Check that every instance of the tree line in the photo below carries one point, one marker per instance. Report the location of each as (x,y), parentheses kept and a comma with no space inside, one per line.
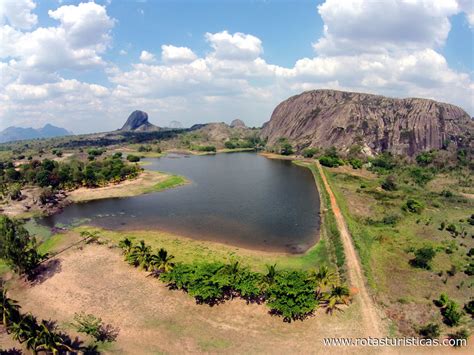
(291,294)
(50,173)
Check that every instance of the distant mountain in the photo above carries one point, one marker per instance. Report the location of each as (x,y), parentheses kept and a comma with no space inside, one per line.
(19,133)
(325,118)
(237,124)
(138,122)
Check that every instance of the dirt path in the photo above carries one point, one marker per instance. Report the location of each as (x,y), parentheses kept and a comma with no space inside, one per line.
(371,320)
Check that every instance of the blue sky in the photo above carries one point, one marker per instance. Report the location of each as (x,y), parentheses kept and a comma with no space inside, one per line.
(86,65)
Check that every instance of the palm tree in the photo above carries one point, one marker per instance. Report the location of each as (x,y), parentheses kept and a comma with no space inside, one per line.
(48,340)
(140,255)
(161,261)
(269,278)
(9,309)
(322,277)
(126,245)
(26,328)
(339,294)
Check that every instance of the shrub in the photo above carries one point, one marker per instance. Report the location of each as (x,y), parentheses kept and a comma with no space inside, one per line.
(420,175)
(425,158)
(471,220)
(330,162)
(383,162)
(292,295)
(451,228)
(460,336)
(205,148)
(413,206)
(423,258)
(286,149)
(452,314)
(442,301)
(390,183)
(469,308)
(145,148)
(133,158)
(117,155)
(469,269)
(230,145)
(446,193)
(429,331)
(88,324)
(310,152)
(355,163)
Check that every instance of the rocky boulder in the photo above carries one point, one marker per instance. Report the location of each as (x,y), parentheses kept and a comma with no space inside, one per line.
(138,121)
(238,124)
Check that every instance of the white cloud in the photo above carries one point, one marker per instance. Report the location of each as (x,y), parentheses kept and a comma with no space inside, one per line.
(237,46)
(467,6)
(147,57)
(379,49)
(174,55)
(18,13)
(358,26)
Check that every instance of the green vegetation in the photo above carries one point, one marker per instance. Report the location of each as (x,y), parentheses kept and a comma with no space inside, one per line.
(50,173)
(331,158)
(17,248)
(423,257)
(413,206)
(310,152)
(37,336)
(170,182)
(429,331)
(133,158)
(94,327)
(204,148)
(290,293)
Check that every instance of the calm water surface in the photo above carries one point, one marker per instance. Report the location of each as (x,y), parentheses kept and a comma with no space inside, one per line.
(240,199)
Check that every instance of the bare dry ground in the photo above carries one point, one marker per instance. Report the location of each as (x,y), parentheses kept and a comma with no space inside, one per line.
(127,188)
(153,319)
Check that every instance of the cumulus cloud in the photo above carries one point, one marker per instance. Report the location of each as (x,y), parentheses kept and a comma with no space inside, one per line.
(147,57)
(467,6)
(18,13)
(237,46)
(360,26)
(390,49)
(172,55)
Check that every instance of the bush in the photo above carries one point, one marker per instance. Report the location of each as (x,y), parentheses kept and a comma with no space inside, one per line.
(413,206)
(469,269)
(145,148)
(310,152)
(383,162)
(292,295)
(462,334)
(205,148)
(423,258)
(420,175)
(88,324)
(330,162)
(452,314)
(355,163)
(133,158)
(390,183)
(230,145)
(425,158)
(286,149)
(429,331)
(469,308)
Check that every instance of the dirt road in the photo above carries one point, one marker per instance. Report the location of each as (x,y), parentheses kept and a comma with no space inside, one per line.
(371,319)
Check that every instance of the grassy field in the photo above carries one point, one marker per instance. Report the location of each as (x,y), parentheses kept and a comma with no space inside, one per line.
(386,247)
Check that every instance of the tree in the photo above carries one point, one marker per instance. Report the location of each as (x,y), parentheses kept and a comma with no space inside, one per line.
(423,257)
(48,340)
(269,277)
(339,294)
(413,206)
(322,277)
(126,245)
(24,329)
(161,261)
(452,314)
(390,183)
(133,158)
(88,324)
(140,255)
(17,247)
(10,310)
(286,149)
(310,152)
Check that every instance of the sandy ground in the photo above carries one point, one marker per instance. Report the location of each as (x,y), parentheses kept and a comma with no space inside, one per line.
(154,319)
(372,323)
(127,188)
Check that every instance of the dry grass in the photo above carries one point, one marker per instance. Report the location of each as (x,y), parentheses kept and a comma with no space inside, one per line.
(153,319)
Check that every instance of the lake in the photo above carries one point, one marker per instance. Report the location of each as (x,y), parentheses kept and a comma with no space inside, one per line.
(241,199)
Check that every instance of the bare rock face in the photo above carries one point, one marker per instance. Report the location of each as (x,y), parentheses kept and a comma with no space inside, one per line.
(138,121)
(325,118)
(237,124)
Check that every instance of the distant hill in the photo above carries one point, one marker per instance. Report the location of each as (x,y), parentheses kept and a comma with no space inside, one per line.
(138,122)
(325,118)
(19,133)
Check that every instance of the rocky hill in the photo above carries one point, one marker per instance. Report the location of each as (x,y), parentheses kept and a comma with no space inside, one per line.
(325,118)
(238,123)
(138,122)
(19,133)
